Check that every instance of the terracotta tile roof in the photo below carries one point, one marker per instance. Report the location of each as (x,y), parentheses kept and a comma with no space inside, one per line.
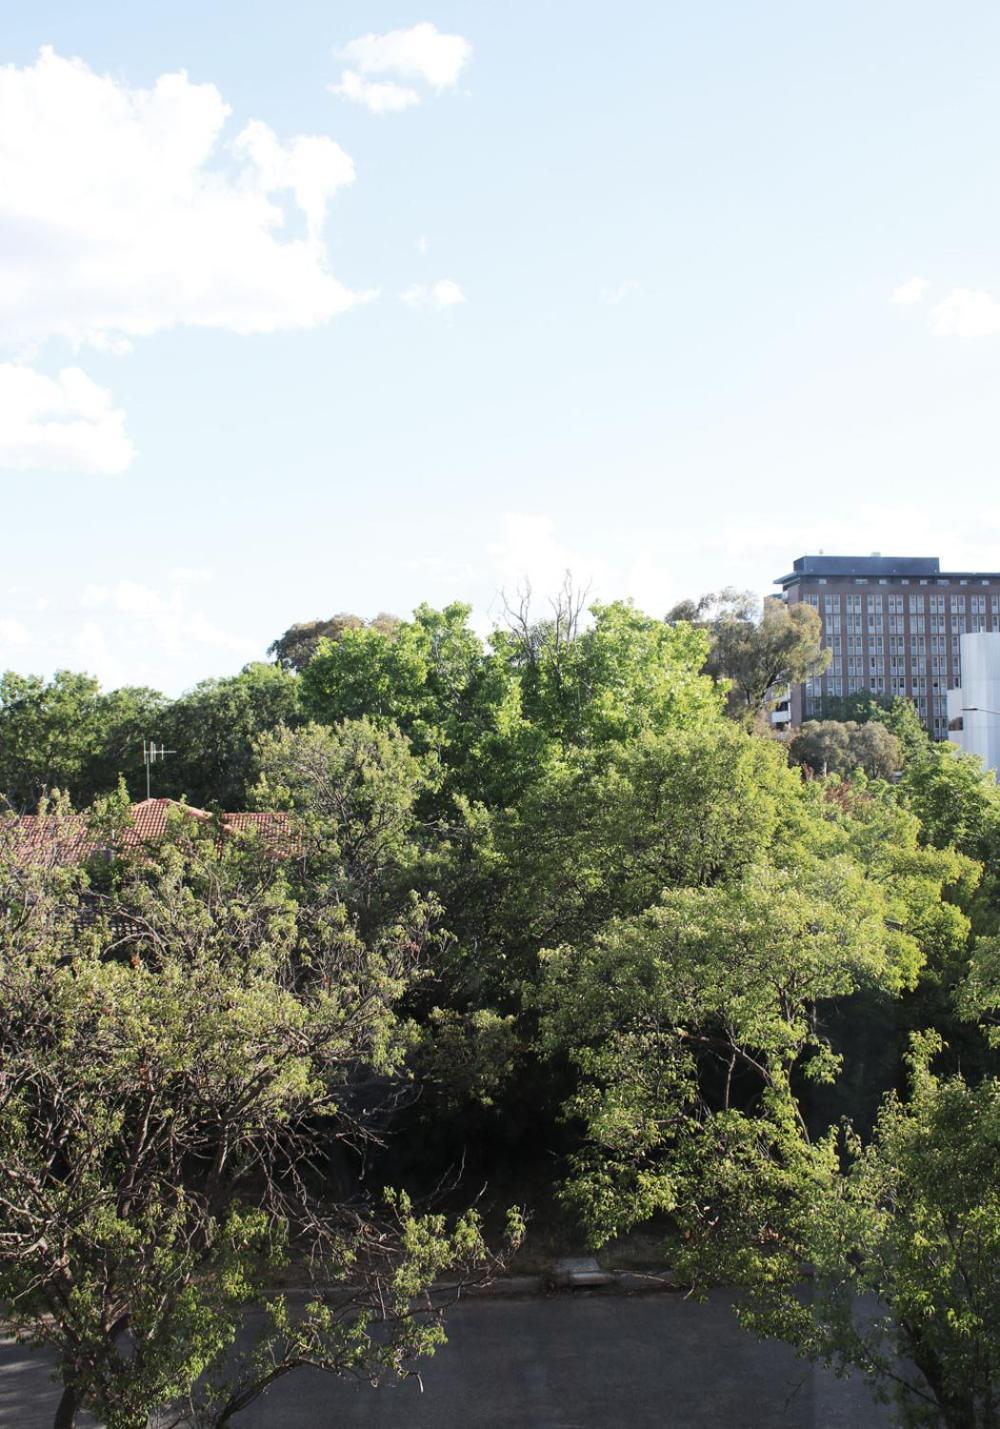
(274,828)
(149,818)
(66,839)
(49,839)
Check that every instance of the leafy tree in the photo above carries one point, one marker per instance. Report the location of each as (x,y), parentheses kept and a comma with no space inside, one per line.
(956,800)
(212,730)
(759,657)
(417,676)
(295,648)
(909,1222)
(823,746)
(694,1031)
(902,719)
(898,714)
(601,833)
(758,649)
(171,1065)
(705,1003)
(65,733)
(876,750)
(493,715)
(352,791)
(835,747)
(622,674)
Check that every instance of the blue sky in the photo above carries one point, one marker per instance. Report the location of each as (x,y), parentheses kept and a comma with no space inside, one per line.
(667,294)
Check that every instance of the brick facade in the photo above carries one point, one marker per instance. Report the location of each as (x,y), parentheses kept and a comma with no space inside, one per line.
(892,625)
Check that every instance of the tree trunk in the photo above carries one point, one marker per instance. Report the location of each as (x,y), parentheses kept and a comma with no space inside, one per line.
(66,1409)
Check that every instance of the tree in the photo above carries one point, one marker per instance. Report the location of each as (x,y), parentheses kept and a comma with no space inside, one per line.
(65,733)
(176,1053)
(703,1006)
(212,729)
(295,648)
(352,791)
(695,1029)
(759,658)
(955,798)
(823,746)
(909,1223)
(876,750)
(601,833)
(896,713)
(758,649)
(417,675)
(622,673)
(835,747)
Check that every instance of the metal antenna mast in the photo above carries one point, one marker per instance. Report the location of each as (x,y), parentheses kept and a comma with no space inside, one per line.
(150,754)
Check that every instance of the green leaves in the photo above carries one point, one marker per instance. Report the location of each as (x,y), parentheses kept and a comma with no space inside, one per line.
(166,1068)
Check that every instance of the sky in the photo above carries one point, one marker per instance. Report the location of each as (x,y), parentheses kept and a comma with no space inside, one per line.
(310,308)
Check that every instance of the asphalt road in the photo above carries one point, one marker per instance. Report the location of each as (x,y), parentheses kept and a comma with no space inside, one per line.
(573,1361)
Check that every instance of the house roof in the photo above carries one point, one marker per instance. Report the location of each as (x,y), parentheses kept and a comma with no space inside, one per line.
(70,838)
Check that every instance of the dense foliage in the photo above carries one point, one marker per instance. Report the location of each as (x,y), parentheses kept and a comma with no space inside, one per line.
(556,907)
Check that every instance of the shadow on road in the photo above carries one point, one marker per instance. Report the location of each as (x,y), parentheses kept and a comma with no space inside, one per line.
(578,1361)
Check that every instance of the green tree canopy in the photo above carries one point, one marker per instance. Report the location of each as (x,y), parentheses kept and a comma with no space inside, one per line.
(66,733)
(212,730)
(175,1053)
(295,648)
(835,747)
(758,648)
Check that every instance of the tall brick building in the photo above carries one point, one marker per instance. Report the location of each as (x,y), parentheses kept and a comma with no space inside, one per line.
(892,624)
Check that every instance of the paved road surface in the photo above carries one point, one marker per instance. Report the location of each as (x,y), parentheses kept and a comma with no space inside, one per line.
(577,1361)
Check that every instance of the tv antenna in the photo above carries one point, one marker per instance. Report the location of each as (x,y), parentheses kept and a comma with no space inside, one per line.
(151,752)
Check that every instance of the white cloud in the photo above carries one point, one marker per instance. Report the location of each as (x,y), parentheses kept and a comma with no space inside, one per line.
(167,633)
(64,423)
(138,633)
(310,166)
(623,290)
(126,211)
(419,54)
(445,293)
(912,291)
(967,312)
(379,96)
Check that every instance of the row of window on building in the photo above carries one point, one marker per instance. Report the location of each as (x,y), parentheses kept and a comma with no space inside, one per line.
(908,580)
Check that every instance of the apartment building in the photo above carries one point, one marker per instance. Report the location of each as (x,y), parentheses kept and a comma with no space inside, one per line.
(893,626)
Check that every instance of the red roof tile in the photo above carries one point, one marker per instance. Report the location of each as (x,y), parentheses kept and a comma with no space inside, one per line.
(68,838)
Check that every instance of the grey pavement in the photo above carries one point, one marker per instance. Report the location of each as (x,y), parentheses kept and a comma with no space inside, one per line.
(572,1361)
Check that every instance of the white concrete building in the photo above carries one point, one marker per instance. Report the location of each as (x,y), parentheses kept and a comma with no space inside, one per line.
(974,708)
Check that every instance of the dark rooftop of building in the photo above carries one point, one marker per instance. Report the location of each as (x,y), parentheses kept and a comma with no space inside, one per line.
(876,566)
